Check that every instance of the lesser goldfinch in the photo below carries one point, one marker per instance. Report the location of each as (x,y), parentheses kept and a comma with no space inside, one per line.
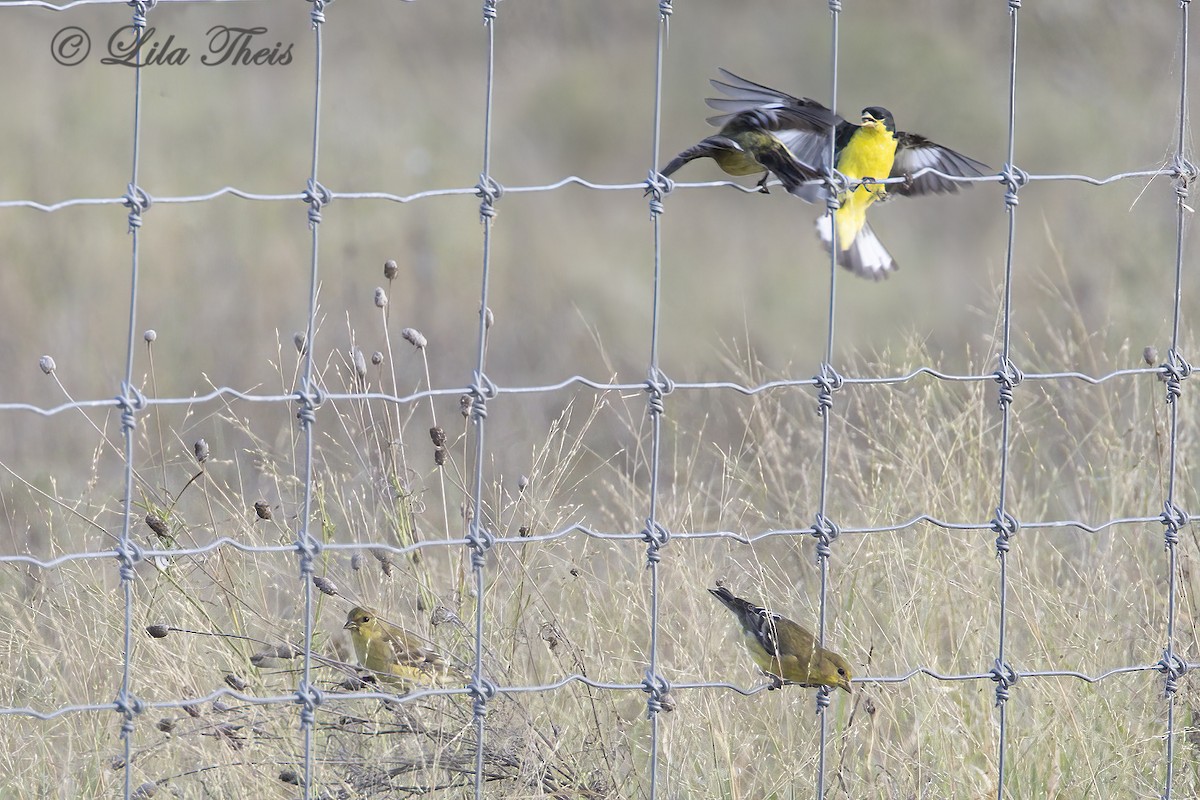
(874,150)
(783,649)
(393,654)
(747,145)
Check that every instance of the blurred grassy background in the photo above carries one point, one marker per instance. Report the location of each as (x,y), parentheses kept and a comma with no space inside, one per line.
(225,284)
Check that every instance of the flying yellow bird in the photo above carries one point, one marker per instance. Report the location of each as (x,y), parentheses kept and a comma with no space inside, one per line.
(393,654)
(783,649)
(874,150)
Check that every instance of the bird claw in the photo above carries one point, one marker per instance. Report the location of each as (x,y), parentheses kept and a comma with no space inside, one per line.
(762,185)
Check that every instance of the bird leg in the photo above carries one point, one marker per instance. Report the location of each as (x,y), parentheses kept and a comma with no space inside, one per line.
(775,681)
(762,185)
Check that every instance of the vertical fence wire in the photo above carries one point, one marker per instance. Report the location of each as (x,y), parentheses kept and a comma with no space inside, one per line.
(308,398)
(1176,369)
(479,538)
(131,402)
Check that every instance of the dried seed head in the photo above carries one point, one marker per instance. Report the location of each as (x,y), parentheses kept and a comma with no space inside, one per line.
(201,449)
(667,702)
(1150,355)
(290,777)
(149,336)
(268,657)
(262,509)
(360,364)
(414,337)
(441,615)
(380,297)
(522,483)
(390,270)
(356,562)
(523,531)
(219,707)
(575,572)
(377,358)
(47,364)
(325,586)
(301,341)
(439,456)
(550,635)
(166,725)
(384,557)
(158,630)
(116,762)
(464,405)
(158,525)
(192,711)
(438,435)
(421,606)
(147,789)
(236,683)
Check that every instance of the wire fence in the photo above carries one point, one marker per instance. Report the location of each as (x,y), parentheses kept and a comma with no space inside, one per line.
(309,396)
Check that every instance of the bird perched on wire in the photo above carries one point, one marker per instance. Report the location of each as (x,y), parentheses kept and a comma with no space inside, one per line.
(394,655)
(872,151)
(783,649)
(748,144)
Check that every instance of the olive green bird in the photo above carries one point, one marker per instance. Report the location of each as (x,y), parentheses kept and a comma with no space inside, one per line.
(783,649)
(874,150)
(394,655)
(747,145)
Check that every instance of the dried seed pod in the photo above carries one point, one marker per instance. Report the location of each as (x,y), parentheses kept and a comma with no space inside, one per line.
(146,790)
(384,557)
(356,561)
(360,364)
(390,270)
(166,725)
(47,365)
(301,341)
(439,456)
(219,707)
(414,337)
(192,711)
(290,777)
(158,525)
(441,615)
(158,630)
(523,531)
(1150,355)
(464,405)
(377,358)
(438,434)
(325,586)
(262,509)
(236,683)
(522,483)
(380,297)
(201,450)
(150,336)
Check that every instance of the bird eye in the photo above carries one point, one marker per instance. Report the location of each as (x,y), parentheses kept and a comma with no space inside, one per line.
(842,672)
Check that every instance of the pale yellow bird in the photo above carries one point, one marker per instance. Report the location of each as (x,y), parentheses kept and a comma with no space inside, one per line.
(783,649)
(394,655)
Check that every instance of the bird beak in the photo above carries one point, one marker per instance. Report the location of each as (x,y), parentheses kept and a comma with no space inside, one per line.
(349,625)
(846,685)
(868,122)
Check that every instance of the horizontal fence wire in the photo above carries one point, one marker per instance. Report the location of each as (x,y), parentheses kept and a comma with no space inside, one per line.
(479,542)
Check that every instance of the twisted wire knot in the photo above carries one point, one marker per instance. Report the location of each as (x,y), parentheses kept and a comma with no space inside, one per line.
(1173,519)
(482,690)
(317,15)
(489,191)
(308,548)
(1014,5)
(823,699)
(130,401)
(480,540)
(489,11)
(838,185)
(128,707)
(657,187)
(1005,677)
(665,10)
(481,390)
(1173,668)
(1008,376)
(138,201)
(824,530)
(827,382)
(656,536)
(308,697)
(130,554)
(1176,370)
(140,8)
(310,399)
(658,386)
(835,6)
(1184,173)
(1005,526)
(317,196)
(1013,176)
(656,688)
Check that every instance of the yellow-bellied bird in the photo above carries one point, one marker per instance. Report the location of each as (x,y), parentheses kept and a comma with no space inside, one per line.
(393,654)
(783,649)
(748,144)
(873,150)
